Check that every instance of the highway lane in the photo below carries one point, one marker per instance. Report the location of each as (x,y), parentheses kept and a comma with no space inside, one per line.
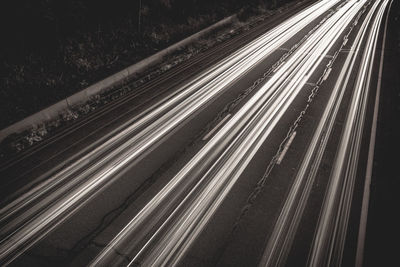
(286,226)
(22,214)
(381,223)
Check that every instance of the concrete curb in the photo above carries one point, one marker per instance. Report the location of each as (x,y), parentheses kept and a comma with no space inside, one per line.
(53,111)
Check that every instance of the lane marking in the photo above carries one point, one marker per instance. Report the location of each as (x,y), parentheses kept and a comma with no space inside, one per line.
(350,50)
(285,149)
(327,74)
(284,49)
(311,84)
(216,127)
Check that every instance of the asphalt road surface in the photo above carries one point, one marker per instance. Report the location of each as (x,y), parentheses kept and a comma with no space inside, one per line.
(256,158)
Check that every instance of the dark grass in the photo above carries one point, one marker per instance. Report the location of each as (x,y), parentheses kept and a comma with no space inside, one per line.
(51,48)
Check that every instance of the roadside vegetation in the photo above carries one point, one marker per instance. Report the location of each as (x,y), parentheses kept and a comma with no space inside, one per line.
(51,49)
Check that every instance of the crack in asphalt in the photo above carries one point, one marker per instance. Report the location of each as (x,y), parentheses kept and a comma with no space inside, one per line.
(112,215)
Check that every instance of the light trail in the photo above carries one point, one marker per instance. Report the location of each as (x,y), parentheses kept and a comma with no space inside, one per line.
(329,240)
(279,244)
(30,217)
(164,229)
